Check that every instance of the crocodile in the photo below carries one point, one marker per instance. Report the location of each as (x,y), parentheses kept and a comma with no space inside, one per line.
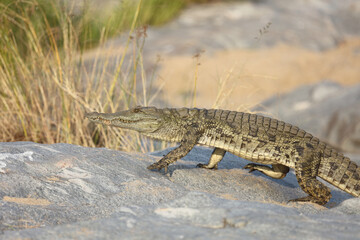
(272,146)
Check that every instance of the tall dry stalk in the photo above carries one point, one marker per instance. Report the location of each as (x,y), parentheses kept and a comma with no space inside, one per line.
(45,93)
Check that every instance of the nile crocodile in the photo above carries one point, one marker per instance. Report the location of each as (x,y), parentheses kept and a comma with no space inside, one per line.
(253,137)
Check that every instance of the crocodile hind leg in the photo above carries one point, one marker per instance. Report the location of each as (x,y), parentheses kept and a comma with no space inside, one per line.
(306,170)
(276,171)
(216,156)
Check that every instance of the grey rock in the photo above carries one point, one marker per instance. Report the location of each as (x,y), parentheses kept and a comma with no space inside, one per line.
(63,191)
(326,109)
(75,186)
(343,128)
(315,24)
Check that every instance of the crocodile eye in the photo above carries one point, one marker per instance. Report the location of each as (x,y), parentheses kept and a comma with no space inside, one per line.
(136,110)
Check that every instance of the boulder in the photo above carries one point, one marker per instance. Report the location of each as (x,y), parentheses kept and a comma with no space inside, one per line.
(325,109)
(63,191)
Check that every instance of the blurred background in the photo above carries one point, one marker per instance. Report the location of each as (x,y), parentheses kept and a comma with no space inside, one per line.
(298,61)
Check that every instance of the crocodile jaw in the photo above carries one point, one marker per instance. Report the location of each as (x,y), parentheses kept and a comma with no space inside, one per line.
(140,121)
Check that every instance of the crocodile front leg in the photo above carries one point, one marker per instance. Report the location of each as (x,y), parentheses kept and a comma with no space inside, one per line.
(216,156)
(189,141)
(277,171)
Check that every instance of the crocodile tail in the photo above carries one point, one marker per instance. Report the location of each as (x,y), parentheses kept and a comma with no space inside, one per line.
(341,172)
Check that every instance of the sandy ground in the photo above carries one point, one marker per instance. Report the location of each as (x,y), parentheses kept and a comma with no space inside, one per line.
(240,79)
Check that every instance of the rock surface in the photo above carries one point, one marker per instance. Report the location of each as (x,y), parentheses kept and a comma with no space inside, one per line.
(63,191)
(327,110)
(313,24)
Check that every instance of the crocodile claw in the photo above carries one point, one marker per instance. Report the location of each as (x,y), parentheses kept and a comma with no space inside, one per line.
(251,167)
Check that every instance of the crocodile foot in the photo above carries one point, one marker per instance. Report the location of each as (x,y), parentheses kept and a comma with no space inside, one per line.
(158,166)
(200,165)
(309,199)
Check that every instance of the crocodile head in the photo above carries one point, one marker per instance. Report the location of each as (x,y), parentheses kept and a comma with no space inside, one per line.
(141,119)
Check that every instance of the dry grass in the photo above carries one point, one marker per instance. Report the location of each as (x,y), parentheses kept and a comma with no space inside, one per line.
(45,93)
